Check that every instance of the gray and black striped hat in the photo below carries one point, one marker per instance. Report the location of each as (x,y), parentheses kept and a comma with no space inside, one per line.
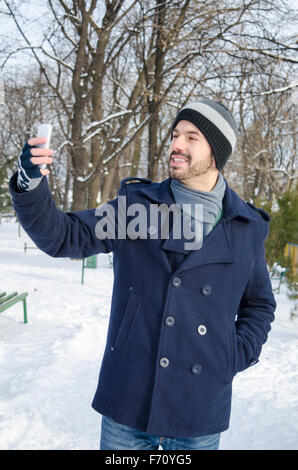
(217,124)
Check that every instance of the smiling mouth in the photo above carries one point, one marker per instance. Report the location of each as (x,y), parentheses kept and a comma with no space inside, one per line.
(178,160)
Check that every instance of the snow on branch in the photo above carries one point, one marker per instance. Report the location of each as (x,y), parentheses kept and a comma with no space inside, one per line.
(84,179)
(66,142)
(127,141)
(97,124)
(282,170)
(276,56)
(279,90)
(57,59)
(259,153)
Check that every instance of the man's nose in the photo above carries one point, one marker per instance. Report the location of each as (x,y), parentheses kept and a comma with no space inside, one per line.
(179,143)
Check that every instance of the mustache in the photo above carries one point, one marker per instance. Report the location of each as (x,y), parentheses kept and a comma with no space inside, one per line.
(186,155)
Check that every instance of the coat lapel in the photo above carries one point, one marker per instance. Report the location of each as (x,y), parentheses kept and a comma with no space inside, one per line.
(216,247)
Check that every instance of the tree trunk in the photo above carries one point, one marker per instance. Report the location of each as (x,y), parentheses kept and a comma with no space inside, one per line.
(156,98)
(107,185)
(136,156)
(67,182)
(153,148)
(79,196)
(93,190)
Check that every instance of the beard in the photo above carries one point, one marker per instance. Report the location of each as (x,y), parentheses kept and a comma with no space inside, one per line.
(190,169)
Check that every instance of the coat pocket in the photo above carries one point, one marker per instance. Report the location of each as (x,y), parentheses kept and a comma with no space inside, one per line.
(128,317)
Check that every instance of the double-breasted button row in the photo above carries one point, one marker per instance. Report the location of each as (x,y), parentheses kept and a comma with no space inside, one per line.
(196,369)
(176,282)
(205,290)
(170,321)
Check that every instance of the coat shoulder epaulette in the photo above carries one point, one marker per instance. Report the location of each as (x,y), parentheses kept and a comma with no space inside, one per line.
(134,179)
(263,213)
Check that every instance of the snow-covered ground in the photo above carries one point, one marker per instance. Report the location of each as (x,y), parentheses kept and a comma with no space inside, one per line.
(49,366)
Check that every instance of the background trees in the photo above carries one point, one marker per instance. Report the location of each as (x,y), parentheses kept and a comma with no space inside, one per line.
(111,75)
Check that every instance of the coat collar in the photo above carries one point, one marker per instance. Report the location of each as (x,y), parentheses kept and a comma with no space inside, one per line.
(233,205)
(217,246)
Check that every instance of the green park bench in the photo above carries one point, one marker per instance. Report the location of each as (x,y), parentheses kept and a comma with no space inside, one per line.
(278,274)
(90,263)
(7,301)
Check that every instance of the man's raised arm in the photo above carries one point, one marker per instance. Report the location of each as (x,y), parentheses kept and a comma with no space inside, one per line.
(59,234)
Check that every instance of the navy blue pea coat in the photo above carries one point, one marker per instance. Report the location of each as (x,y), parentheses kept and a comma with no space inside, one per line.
(182,323)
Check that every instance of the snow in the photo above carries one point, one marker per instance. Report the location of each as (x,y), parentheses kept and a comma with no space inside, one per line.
(49,366)
(99,123)
(280,90)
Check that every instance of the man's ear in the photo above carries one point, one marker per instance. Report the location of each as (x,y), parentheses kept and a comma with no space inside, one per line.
(213,161)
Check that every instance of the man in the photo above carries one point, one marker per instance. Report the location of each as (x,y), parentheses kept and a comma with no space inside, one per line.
(183,320)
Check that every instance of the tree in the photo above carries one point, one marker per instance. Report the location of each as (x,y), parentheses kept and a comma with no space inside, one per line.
(268,138)
(119,71)
(283,227)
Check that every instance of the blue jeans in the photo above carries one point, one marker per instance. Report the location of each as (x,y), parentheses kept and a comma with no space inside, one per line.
(115,436)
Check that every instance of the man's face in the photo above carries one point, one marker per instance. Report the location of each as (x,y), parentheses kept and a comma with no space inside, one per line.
(190,153)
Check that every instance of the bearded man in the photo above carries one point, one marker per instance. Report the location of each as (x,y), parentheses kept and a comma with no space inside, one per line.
(183,321)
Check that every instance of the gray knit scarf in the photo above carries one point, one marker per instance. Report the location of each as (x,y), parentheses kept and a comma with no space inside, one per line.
(211,200)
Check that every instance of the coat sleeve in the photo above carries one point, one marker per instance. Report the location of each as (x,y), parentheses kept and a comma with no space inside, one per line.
(255,313)
(59,234)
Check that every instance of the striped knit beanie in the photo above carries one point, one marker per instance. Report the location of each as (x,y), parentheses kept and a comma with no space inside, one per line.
(217,124)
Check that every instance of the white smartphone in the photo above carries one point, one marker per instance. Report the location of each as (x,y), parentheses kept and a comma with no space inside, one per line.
(44,130)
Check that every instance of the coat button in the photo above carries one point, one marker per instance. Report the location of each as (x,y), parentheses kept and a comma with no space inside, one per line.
(170,321)
(176,282)
(196,369)
(202,330)
(206,290)
(151,230)
(164,362)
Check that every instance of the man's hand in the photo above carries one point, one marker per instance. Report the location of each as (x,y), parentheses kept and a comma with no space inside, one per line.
(29,174)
